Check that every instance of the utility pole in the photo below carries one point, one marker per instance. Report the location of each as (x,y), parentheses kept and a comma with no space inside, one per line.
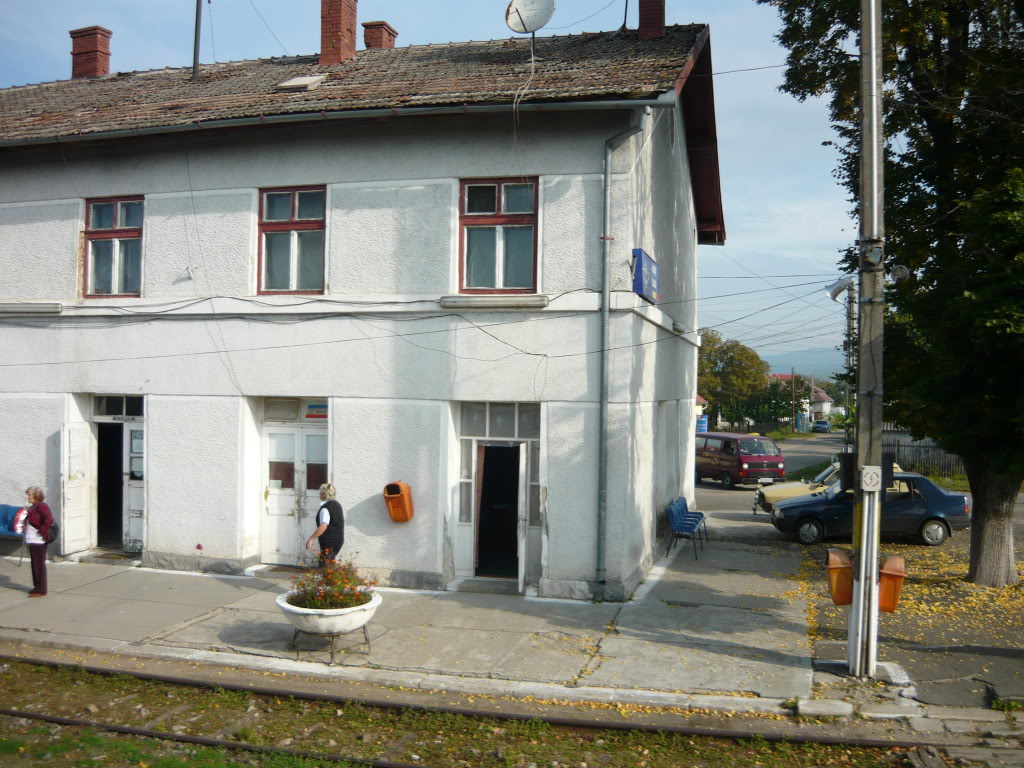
(863,635)
(792,383)
(851,296)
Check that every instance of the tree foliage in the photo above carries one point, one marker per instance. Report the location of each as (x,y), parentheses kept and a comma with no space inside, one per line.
(954,174)
(728,374)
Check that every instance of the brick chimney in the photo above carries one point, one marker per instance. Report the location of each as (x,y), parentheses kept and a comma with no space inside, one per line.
(379,34)
(90,52)
(652,19)
(337,31)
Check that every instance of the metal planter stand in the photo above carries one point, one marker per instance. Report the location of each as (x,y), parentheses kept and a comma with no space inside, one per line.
(334,639)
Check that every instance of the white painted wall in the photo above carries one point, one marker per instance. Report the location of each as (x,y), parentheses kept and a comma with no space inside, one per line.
(193,488)
(30,425)
(39,247)
(375,442)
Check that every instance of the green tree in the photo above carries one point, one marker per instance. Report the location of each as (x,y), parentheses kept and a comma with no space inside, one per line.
(954,169)
(771,404)
(728,373)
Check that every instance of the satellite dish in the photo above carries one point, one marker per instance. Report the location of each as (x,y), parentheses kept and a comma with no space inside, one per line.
(526,16)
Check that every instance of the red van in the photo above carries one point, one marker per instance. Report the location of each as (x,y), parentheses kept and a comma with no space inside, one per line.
(733,458)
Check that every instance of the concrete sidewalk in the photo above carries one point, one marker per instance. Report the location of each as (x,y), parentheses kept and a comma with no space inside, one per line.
(727,632)
(712,632)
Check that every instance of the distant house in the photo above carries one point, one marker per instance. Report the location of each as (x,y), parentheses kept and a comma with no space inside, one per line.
(461,266)
(817,406)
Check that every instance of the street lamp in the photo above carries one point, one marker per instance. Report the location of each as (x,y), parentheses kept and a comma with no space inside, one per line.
(834,291)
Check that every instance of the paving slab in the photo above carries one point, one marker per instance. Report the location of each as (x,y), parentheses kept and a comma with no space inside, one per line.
(633,663)
(59,576)
(103,617)
(714,625)
(966,713)
(176,588)
(824,708)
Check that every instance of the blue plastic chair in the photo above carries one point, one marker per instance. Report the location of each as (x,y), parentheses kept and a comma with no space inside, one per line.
(686,525)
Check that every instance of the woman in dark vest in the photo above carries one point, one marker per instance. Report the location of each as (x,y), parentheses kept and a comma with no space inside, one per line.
(37,531)
(330,525)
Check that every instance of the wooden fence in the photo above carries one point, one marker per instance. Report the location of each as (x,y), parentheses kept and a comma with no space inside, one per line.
(926,459)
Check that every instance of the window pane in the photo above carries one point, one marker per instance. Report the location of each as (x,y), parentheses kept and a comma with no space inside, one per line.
(311,205)
(465,502)
(280,409)
(277,206)
(518,257)
(311,261)
(133,406)
(131,214)
(529,420)
(466,469)
(502,420)
(135,468)
(282,447)
(277,261)
(282,474)
(480,257)
(102,278)
(109,405)
(534,505)
(131,265)
(101,216)
(316,475)
(482,198)
(136,441)
(316,448)
(518,198)
(534,462)
(474,420)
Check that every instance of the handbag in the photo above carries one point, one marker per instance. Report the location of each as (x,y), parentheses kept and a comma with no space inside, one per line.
(53,533)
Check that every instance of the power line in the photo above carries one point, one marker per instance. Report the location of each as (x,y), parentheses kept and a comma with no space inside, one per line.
(268,27)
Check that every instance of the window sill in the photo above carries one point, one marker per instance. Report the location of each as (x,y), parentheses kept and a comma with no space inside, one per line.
(505,300)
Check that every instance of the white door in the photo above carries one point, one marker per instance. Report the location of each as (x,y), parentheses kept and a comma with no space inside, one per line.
(294,466)
(523,511)
(134,496)
(78,488)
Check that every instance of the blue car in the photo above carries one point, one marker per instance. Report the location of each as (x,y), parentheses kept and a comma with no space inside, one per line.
(913,506)
(821,425)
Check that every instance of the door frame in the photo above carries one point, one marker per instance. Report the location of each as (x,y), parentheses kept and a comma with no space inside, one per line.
(522,500)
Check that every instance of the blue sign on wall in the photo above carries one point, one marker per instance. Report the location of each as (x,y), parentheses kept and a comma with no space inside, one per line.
(702,423)
(645,276)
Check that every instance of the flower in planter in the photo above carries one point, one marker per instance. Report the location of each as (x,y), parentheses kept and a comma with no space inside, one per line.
(334,585)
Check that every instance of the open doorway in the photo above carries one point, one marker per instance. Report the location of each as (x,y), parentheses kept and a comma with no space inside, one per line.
(110,486)
(497,527)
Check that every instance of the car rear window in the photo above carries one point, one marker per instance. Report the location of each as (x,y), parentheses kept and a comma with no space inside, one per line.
(758,446)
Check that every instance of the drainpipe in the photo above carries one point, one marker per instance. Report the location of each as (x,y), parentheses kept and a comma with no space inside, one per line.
(602,478)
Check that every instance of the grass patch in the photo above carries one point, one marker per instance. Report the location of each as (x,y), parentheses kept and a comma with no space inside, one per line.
(808,473)
(1008,705)
(958,483)
(436,739)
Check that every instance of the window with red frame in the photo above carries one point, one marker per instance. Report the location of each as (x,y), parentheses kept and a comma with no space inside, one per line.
(498,231)
(113,241)
(292,240)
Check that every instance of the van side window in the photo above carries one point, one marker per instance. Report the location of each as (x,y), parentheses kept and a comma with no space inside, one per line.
(699,446)
(729,448)
(714,444)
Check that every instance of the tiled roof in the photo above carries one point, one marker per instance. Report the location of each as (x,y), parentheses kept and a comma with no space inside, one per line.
(613,65)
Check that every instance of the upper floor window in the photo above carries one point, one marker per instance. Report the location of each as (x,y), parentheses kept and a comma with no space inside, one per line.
(498,236)
(113,241)
(292,240)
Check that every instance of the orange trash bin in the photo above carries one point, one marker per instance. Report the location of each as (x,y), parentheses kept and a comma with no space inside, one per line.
(890,583)
(398,497)
(839,566)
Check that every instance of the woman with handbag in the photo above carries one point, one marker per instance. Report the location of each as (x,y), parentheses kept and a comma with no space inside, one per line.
(37,537)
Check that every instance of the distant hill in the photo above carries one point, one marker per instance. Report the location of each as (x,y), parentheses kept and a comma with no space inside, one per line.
(811,362)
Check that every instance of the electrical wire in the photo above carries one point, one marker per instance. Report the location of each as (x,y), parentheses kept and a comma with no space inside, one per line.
(268,27)
(213,42)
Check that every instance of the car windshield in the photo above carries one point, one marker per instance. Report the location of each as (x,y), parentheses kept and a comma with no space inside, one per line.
(758,446)
(824,475)
(833,490)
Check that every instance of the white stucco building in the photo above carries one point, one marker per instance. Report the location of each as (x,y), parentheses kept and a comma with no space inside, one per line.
(219,294)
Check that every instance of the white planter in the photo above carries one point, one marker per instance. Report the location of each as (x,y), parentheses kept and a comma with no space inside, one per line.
(328,621)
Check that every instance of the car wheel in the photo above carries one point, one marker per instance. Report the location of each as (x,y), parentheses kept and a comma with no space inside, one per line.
(810,531)
(934,532)
(727,480)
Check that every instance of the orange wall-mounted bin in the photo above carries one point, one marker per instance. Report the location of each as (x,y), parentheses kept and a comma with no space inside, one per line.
(890,583)
(398,497)
(839,566)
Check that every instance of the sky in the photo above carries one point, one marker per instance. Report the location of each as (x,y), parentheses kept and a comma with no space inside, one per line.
(786,218)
